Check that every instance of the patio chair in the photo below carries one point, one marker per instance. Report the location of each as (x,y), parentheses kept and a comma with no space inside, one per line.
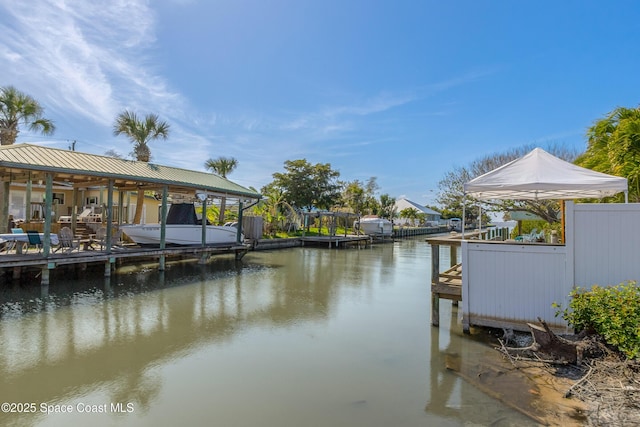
(116,238)
(68,243)
(531,237)
(100,237)
(34,240)
(9,244)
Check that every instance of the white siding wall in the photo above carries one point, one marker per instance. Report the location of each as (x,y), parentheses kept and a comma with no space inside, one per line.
(510,285)
(606,243)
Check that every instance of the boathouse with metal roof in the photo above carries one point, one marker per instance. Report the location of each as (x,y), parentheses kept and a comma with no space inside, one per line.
(28,163)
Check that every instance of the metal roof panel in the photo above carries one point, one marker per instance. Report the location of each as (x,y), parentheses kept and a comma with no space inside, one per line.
(38,158)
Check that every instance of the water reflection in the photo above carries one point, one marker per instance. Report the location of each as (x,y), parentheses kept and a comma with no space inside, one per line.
(337,337)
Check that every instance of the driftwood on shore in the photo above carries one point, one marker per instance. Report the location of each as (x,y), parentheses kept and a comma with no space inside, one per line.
(604,379)
(549,347)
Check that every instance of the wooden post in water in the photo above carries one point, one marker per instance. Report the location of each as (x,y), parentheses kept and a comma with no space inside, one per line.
(435,277)
(44,278)
(453,255)
(453,260)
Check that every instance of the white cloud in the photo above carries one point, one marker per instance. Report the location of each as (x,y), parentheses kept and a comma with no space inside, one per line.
(87,60)
(82,58)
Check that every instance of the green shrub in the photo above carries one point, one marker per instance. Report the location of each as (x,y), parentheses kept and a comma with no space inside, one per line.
(613,312)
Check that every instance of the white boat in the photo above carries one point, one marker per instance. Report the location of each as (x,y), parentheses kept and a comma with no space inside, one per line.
(374,226)
(182,228)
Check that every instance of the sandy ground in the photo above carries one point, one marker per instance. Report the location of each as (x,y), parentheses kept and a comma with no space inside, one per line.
(531,390)
(601,391)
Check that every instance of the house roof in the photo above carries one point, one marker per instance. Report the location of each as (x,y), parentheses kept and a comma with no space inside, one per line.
(405,204)
(20,162)
(539,175)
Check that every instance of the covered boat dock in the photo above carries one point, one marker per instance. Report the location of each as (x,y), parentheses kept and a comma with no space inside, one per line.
(26,163)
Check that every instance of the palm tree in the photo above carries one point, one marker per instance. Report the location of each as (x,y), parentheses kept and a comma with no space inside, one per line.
(222,166)
(273,207)
(614,147)
(17,108)
(409,213)
(140,133)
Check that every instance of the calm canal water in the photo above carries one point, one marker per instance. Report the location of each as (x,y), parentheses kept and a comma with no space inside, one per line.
(295,337)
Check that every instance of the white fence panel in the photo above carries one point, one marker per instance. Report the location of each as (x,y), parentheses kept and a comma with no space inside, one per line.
(606,243)
(508,285)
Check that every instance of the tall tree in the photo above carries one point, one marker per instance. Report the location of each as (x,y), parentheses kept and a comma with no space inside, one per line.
(354,196)
(19,109)
(613,147)
(307,186)
(140,133)
(387,206)
(222,166)
(409,213)
(360,197)
(274,208)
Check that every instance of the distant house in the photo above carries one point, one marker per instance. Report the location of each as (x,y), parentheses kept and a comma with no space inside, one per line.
(430,216)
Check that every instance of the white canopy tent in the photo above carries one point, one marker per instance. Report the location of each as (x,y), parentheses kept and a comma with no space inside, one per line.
(539,175)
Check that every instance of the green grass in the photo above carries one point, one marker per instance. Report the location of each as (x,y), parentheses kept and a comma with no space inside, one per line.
(313,231)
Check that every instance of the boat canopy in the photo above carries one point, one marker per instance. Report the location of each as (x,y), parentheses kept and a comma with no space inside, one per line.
(182,213)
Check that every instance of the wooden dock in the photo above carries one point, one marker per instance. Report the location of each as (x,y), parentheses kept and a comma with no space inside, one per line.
(336,241)
(446,284)
(34,260)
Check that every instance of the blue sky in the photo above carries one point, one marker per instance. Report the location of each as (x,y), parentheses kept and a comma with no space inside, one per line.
(400,90)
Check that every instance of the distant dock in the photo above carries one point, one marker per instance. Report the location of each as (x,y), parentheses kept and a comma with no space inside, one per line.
(336,241)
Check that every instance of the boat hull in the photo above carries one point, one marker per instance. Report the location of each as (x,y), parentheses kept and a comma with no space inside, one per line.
(376,227)
(180,234)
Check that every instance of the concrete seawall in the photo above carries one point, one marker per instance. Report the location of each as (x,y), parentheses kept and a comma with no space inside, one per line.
(266,244)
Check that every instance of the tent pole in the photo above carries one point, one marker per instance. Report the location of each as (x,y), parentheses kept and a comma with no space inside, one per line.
(562,221)
(464,200)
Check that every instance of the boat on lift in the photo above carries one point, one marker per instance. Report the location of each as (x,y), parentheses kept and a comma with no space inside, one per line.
(372,225)
(182,228)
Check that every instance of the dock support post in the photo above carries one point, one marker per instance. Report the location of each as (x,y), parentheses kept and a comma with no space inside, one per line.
(16,273)
(107,268)
(453,260)
(161,263)
(44,278)
(453,255)
(435,277)
(203,258)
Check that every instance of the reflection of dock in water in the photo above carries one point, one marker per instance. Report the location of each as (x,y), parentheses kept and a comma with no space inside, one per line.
(336,241)
(540,402)
(88,343)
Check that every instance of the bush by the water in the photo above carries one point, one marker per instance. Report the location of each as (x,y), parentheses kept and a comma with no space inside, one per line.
(612,312)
